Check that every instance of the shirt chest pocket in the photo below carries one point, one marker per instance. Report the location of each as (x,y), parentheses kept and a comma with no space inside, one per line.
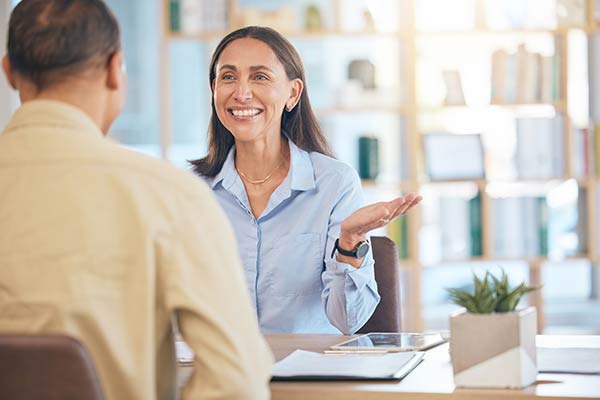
(293,265)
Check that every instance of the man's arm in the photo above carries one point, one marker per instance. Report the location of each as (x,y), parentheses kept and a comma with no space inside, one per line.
(204,285)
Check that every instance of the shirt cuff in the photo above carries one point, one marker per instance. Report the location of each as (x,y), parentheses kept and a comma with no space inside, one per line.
(360,276)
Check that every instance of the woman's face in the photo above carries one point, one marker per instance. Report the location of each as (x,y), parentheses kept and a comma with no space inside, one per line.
(251,90)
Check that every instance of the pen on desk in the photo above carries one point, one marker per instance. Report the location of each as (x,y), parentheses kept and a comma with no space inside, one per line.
(355,351)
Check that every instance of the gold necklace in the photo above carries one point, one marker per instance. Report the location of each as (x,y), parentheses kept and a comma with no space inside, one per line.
(259,181)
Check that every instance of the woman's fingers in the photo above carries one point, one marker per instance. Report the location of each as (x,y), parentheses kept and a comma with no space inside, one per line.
(380,214)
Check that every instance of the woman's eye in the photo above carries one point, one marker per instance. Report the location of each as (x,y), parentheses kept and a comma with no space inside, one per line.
(227,77)
(261,77)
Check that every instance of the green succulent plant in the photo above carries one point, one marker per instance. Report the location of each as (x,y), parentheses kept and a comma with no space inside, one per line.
(490,295)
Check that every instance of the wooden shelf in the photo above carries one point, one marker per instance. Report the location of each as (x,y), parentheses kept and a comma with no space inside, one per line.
(214,36)
(324,111)
(505,32)
(412,41)
(535,261)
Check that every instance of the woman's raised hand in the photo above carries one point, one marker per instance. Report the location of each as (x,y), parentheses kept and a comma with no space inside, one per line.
(355,228)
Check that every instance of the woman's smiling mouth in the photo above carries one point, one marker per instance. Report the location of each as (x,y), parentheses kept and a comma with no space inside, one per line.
(245,112)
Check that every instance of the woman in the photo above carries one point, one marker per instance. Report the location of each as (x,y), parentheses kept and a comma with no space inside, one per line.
(294,208)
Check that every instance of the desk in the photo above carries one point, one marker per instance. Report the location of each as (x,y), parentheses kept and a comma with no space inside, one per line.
(432,379)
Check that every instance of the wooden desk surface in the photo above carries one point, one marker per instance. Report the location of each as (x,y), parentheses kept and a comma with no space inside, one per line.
(432,379)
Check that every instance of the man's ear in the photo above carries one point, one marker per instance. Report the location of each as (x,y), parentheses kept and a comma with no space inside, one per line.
(115,77)
(8,72)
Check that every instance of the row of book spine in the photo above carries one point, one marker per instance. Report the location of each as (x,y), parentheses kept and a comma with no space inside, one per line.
(198,16)
(522,227)
(525,77)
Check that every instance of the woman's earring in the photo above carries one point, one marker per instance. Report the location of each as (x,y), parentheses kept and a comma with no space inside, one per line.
(289,108)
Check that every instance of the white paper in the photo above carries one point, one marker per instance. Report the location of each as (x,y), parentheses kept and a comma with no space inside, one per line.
(358,366)
(185,355)
(568,360)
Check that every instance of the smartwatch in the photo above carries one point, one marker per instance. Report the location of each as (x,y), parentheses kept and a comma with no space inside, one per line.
(360,250)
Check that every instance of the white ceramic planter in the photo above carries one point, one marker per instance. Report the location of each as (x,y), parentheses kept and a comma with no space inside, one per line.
(494,350)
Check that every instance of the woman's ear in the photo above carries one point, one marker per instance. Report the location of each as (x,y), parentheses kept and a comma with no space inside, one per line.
(295,93)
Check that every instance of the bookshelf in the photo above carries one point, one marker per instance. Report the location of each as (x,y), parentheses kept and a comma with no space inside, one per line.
(406,116)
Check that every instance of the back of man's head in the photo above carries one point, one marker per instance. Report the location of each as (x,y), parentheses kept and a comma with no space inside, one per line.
(52,40)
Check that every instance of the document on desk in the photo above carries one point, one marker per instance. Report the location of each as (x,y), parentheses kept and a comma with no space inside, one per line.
(570,360)
(308,366)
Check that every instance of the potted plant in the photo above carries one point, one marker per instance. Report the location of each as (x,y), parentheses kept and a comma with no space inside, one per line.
(492,344)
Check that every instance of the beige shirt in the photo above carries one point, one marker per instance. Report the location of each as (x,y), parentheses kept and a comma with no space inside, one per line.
(106,245)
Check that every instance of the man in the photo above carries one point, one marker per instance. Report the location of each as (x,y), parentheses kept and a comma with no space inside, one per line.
(105,244)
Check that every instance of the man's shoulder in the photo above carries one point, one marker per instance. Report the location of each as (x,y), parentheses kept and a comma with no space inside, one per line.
(154,171)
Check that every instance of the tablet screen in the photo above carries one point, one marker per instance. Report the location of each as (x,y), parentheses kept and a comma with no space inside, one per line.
(391,342)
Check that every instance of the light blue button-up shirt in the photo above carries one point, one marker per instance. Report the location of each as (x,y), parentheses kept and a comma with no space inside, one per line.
(294,283)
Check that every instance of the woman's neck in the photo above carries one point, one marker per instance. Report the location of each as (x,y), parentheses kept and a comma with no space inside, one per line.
(257,160)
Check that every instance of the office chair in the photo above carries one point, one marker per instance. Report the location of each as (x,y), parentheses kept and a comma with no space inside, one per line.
(387,316)
(46,367)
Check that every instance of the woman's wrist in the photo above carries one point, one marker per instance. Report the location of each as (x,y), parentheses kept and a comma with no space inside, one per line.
(349,242)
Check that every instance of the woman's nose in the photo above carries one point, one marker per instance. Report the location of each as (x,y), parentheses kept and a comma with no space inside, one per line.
(242,91)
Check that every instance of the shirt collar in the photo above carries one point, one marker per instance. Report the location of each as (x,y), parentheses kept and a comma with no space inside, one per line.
(52,113)
(227,174)
(302,172)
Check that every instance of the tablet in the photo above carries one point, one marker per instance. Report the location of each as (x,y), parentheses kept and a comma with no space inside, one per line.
(391,342)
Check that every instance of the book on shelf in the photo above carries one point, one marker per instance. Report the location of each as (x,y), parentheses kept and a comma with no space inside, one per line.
(540,147)
(397,230)
(520,226)
(460,226)
(582,227)
(524,77)
(198,16)
(580,152)
(455,234)
(475,224)
(368,157)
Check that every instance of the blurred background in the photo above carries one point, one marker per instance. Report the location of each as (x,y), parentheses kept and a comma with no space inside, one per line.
(488,108)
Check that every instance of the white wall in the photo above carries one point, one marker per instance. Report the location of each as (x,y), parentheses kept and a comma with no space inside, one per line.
(8,97)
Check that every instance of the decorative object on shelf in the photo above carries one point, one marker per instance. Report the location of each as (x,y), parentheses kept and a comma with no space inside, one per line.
(368,157)
(174,16)
(454,90)
(451,156)
(312,19)
(491,343)
(283,19)
(363,71)
(570,13)
(368,20)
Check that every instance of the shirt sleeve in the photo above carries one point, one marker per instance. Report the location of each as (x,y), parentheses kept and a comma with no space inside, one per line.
(350,294)
(204,288)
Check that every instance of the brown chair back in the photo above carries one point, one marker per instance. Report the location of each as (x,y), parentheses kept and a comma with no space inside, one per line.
(46,367)
(387,316)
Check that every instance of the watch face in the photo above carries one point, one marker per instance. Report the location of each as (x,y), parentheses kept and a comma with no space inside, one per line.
(362,250)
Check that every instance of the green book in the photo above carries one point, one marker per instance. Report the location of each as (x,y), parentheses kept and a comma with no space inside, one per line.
(175,15)
(542,208)
(398,232)
(368,157)
(475,225)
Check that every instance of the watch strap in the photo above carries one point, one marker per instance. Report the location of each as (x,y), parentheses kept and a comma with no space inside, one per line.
(344,252)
